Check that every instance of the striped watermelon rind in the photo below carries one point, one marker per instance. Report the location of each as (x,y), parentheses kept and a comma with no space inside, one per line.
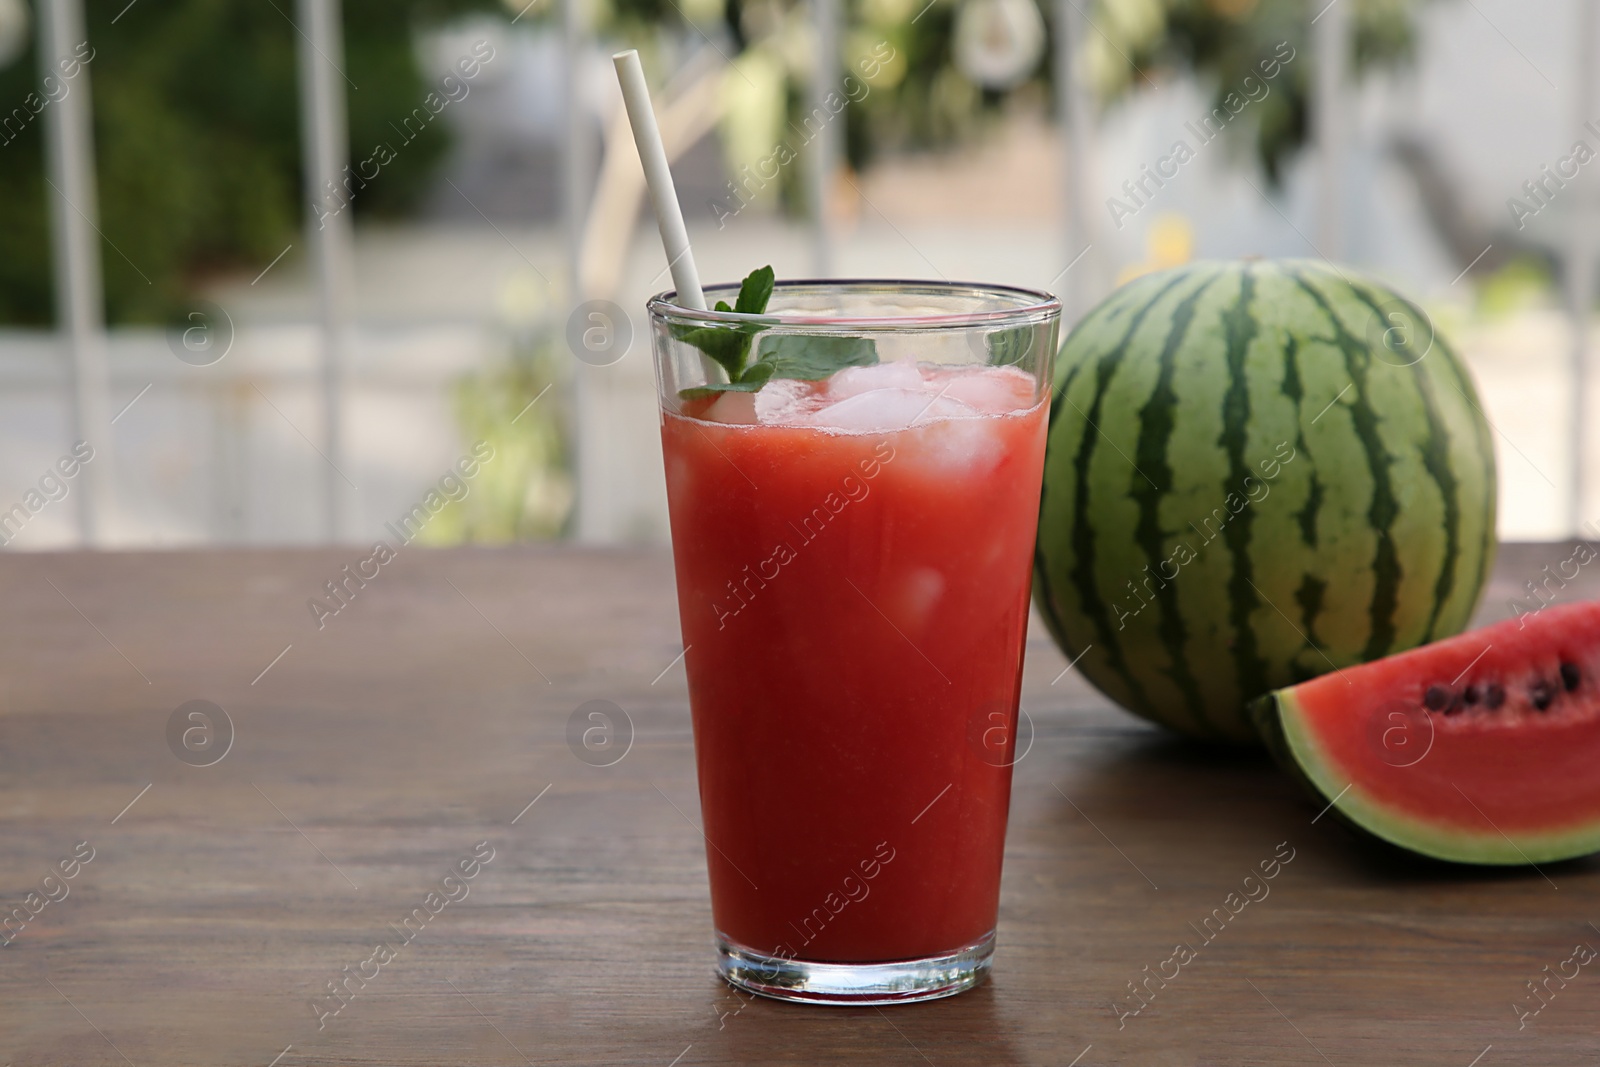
(1174,399)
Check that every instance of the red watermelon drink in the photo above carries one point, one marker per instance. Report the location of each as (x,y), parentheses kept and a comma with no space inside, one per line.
(853,555)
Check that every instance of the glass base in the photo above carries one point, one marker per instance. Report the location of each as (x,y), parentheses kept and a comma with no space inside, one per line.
(855,984)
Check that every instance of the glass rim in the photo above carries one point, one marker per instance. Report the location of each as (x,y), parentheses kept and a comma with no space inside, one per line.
(1031,304)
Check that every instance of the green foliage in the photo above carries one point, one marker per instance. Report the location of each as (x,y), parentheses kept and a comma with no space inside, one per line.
(923,100)
(525,491)
(197,141)
(1225,41)
(1520,284)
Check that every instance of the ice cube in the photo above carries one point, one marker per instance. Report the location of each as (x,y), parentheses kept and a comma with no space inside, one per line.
(992,390)
(901,374)
(734,408)
(878,410)
(783,400)
(965,446)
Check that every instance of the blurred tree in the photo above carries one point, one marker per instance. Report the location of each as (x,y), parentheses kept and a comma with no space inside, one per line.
(1131,44)
(927,97)
(525,492)
(1224,41)
(196,123)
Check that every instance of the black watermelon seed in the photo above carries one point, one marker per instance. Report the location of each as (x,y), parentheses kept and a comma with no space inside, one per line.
(1436,697)
(1570,676)
(1472,695)
(1456,705)
(1493,697)
(1542,692)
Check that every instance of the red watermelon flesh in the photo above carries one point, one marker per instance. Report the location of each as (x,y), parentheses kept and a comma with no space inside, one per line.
(1483,748)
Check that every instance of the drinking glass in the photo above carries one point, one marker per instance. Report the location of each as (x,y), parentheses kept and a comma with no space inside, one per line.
(853,557)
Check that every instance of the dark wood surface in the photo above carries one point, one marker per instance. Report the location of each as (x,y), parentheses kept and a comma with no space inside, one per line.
(378,751)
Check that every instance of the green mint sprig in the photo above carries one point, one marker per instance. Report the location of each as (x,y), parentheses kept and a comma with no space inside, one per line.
(728,345)
(809,357)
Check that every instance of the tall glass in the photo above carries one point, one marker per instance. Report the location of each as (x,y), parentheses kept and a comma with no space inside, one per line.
(853,559)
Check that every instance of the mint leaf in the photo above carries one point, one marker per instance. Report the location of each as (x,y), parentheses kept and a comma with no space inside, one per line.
(754,292)
(699,392)
(813,357)
(754,377)
(728,344)
(724,345)
(808,357)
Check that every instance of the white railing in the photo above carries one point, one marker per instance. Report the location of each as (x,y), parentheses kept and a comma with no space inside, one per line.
(76,244)
(228,453)
(74,205)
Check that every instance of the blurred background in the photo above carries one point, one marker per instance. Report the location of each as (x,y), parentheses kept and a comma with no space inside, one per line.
(282,263)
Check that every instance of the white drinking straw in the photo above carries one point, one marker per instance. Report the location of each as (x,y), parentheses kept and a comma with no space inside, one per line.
(658,177)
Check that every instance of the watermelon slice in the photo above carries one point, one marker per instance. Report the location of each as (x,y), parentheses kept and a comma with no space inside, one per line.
(1483,748)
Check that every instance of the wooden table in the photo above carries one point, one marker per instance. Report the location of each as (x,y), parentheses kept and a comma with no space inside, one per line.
(371,756)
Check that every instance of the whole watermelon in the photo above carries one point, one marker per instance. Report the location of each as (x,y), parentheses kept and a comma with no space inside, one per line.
(1257,472)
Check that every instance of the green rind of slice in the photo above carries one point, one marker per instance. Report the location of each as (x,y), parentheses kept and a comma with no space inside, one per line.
(1284,726)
